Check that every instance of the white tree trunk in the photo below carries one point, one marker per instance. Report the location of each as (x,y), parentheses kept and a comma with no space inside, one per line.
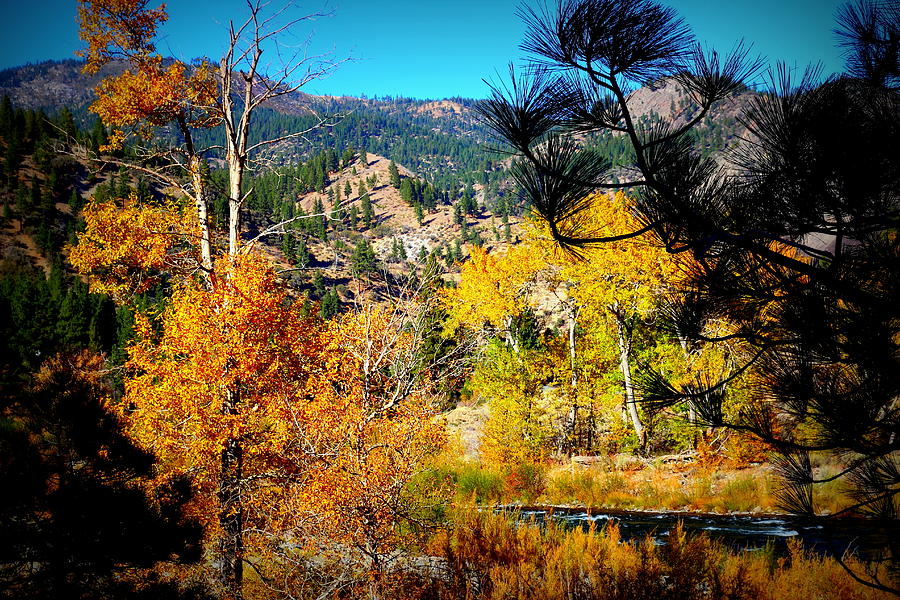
(202,213)
(572,421)
(624,339)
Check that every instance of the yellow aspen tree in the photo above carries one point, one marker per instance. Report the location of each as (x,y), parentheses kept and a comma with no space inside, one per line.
(619,282)
(492,290)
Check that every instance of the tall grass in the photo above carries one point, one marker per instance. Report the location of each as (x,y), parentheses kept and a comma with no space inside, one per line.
(660,488)
(486,556)
(631,485)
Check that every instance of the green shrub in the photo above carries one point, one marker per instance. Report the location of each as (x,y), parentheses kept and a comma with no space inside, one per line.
(482,484)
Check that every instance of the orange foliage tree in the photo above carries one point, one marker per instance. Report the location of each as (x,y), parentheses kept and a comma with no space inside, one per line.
(149,94)
(213,392)
(297,438)
(126,246)
(212,396)
(375,428)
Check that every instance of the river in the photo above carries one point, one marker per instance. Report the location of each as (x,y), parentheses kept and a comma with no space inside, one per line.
(830,536)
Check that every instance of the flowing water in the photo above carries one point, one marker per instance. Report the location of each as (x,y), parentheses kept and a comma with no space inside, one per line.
(740,531)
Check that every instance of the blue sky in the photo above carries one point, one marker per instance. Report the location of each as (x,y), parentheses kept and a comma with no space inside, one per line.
(423,49)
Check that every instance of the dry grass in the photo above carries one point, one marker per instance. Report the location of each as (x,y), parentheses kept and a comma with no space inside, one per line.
(662,488)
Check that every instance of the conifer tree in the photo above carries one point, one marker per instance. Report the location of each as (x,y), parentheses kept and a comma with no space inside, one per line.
(368,212)
(362,262)
(394,174)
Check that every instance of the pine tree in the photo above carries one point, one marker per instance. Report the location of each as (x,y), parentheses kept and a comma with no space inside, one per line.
(406,192)
(302,256)
(319,219)
(330,305)
(368,213)
(394,174)
(821,318)
(319,284)
(362,262)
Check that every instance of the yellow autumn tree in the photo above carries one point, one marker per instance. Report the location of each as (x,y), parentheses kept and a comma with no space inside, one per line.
(126,246)
(520,425)
(620,285)
(620,282)
(492,298)
(601,297)
(492,290)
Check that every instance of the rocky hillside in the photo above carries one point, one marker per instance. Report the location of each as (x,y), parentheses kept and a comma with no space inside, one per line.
(669,101)
(444,232)
(436,143)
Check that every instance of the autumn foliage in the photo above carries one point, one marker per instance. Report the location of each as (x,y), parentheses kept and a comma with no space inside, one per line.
(372,439)
(489,556)
(127,245)
(151,93)
(229,365)
(117,29)
(155,95)
(491,289)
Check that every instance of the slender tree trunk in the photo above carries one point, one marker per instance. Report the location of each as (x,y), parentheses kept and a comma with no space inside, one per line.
(624,339)
(195,168)
(572,423)
(236,178)
(236,131)
(685,348)
(202,212)
(231,519)
(231,509)
(511,339)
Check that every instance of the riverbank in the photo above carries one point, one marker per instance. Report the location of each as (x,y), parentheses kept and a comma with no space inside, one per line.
(773,533)
(629,483)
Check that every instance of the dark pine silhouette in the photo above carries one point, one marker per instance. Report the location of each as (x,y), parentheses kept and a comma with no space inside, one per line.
(74,519)
(794,234)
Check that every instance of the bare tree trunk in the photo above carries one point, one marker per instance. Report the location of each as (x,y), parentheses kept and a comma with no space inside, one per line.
(511,339)
(236,178)
(685,348)
(236,128)
(624,339)
(195,168)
